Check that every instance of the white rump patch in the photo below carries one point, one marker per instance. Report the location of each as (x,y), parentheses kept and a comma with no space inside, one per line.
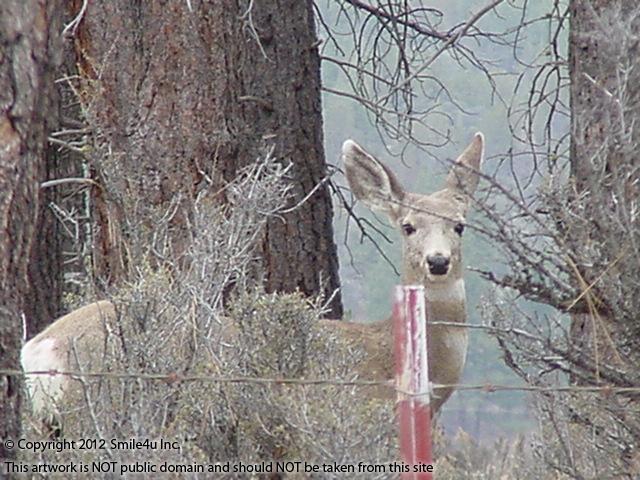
(44,390)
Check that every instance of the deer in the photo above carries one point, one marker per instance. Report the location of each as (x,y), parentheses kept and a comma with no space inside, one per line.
(431,227)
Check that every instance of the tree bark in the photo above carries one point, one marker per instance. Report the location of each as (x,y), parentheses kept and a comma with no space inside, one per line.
(45,270)
(183,92)
(603,45)
(595,56)
(29,40)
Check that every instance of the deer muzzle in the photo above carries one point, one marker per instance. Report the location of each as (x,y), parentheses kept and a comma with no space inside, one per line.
(438,264)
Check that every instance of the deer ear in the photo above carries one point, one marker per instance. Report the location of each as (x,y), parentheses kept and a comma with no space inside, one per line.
(370,180)
(464,176)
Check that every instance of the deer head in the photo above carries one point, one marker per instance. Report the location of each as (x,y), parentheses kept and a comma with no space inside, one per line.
(431,225)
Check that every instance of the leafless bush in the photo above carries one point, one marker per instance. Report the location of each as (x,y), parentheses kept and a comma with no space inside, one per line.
(210,319)
(582,433)
(566,224)
(387,52)
(314,423)
(504,459)
(588,434)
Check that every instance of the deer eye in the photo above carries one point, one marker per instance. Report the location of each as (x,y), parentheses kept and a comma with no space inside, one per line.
(408,229)
(459,228)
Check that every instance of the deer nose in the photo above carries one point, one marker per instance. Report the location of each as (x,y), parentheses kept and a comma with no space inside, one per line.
(438,264)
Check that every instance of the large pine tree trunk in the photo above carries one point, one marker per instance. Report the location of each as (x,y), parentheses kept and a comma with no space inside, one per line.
(182,96)
(29,34)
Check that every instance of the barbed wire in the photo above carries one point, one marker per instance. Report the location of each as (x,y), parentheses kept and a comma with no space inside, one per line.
(174,377)
(485,327)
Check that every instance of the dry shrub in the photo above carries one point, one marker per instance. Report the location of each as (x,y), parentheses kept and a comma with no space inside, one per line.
(208,318)
(462,458)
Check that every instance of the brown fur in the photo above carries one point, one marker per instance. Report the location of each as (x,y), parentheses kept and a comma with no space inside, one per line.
(76,340)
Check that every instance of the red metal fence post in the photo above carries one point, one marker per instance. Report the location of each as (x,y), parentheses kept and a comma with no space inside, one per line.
(412,381)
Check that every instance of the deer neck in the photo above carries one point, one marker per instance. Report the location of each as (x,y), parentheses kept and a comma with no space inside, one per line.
(445,299)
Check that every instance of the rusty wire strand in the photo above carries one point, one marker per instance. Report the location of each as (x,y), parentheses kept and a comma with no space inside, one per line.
(174,377)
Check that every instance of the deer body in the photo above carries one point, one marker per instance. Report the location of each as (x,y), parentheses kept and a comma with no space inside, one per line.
(432,226)
(76,340)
